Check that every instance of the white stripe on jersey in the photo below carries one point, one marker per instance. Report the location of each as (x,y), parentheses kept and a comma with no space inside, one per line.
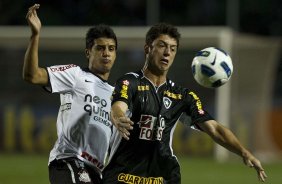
(71,171)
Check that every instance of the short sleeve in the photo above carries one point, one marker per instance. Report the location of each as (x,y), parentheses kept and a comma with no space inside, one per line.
(196,110)
(62,78)
(124,89)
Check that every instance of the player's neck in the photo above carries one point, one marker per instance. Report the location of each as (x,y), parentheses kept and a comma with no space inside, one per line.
(156,79)
(103,76)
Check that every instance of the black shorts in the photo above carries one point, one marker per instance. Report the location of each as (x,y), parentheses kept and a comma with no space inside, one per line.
(72,170)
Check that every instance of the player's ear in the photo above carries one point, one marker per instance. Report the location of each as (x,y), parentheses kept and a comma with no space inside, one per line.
(87,53)
(147,49)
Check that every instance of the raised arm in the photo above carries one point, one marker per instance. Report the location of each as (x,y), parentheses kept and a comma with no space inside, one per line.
(227,139)
(31,71)
(120,120)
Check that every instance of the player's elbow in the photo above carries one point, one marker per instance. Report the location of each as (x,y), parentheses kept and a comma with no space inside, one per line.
(39,77)
(30,78)
(27,77)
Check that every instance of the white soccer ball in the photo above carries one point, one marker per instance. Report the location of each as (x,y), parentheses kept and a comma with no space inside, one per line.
(212,67)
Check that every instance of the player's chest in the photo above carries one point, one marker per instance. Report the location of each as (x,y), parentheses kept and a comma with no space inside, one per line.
(93,93)
(156,102)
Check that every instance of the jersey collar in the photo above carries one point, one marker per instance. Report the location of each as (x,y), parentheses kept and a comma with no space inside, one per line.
(87,70)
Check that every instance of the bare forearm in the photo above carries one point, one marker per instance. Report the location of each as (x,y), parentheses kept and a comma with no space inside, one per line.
(31,58)
(117,112)
(227,139)
(119,119)
(223,136)
(31,71)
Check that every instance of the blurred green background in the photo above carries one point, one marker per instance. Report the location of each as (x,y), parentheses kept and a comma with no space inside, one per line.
(31,169)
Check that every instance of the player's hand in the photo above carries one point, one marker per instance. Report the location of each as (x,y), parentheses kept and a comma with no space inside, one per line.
(33,20)
(252,162)
(124,124)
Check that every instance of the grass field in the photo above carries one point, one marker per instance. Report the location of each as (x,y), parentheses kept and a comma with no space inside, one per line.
(32,169)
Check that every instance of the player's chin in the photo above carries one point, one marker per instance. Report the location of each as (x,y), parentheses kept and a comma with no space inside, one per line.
(106,69)
(164,68)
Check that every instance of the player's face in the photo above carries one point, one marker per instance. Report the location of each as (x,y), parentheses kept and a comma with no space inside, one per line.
(101,56)
(162,53)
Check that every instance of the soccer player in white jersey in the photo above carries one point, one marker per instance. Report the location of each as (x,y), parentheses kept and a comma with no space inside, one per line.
(83,124)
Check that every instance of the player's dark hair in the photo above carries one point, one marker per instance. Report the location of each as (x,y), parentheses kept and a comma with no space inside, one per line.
(162,28)
(99,31)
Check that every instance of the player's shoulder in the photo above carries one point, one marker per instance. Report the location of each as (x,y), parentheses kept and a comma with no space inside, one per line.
(64,68)
(179,89)
(134,75)
(131,76)
(175,86)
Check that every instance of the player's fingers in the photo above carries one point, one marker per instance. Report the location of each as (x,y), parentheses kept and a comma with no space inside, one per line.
(122,128)
(124,134)
(126,123)
(248,163)
(262,176)
(35,6)
(260,171)
(33,9)
(124,131)
(122,124)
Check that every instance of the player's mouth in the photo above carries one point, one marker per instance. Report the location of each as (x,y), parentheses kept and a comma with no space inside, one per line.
(105,61)
(164,61)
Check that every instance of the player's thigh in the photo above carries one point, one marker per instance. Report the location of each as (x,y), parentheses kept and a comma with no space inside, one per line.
(66,171)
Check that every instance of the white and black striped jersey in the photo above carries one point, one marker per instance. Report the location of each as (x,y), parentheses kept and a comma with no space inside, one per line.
(83,123)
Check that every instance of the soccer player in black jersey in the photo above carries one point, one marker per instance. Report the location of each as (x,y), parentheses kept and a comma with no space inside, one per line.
(145,108)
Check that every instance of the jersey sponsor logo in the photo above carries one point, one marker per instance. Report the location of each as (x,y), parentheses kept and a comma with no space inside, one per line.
(91,159)
(143,88)
(167,102)
(123,91)
(151,128)
(66,106)
(132,179)
(96,108)
(173,95)
(61,68)
(198,103)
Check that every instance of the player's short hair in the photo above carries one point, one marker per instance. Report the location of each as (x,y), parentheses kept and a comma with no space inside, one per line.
(162,28)
(99,31)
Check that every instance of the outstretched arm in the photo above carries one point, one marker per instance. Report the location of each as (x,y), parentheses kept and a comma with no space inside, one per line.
(120,120)
(227,139)
(31,71)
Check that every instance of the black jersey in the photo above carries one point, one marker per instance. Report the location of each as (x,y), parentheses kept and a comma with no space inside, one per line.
(148,156)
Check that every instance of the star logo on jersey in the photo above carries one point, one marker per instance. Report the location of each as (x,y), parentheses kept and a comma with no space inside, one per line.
(167,102)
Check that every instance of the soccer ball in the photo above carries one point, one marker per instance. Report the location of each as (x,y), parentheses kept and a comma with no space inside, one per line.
(212,67)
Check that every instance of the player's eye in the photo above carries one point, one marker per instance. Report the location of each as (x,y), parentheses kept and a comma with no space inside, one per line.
(112,48)
(173,48)
(99,48)
(161,44)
